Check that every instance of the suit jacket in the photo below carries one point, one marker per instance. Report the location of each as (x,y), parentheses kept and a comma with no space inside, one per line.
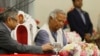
(8,45)
(76,23)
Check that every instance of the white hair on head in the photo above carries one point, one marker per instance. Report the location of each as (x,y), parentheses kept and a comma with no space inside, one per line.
(54,13)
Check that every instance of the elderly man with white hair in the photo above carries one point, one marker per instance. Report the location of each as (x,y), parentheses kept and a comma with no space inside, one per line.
(52,32)
(26,28)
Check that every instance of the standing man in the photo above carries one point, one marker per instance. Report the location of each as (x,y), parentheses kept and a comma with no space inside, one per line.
(79,20)
(7,44)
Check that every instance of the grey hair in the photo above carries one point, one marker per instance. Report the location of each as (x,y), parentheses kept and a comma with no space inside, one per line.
(54,13)
(12,12)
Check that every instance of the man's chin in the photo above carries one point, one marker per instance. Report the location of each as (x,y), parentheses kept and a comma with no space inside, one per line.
(57,29)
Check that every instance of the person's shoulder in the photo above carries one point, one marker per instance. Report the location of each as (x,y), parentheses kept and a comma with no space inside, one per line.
(85,12)
(71,11)
(2,28)
(1,25)
(42,32)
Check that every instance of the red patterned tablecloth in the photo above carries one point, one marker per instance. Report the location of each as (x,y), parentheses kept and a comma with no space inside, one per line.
(26,55)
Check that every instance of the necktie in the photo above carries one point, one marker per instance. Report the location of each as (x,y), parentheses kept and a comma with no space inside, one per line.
(83,17)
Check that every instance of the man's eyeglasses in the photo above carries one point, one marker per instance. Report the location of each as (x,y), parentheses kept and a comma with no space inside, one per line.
(59,20)
(14,19)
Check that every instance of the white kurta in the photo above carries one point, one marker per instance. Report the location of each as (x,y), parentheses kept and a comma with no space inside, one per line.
(51,38)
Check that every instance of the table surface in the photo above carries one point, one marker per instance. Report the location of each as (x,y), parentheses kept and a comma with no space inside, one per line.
(26,55)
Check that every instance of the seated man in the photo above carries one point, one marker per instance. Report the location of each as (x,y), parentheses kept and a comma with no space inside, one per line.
(52,31)
(7,44)
(28,23)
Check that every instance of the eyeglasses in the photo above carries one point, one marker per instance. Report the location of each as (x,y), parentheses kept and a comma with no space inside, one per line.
(58,20)
(14,19)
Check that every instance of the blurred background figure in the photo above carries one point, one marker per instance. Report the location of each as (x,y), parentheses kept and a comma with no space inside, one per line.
(38,22)
(98,33)
(79,20)
(98,25)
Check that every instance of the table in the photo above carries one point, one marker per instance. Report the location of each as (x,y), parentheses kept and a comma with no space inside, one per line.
(26,55)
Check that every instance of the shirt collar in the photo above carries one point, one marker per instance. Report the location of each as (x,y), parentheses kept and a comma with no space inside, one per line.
(79,10)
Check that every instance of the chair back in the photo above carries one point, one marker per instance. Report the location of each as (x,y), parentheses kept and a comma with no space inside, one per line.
(22,34)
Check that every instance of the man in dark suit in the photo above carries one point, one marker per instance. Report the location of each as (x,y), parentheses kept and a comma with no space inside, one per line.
(79,20)
(7,44)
